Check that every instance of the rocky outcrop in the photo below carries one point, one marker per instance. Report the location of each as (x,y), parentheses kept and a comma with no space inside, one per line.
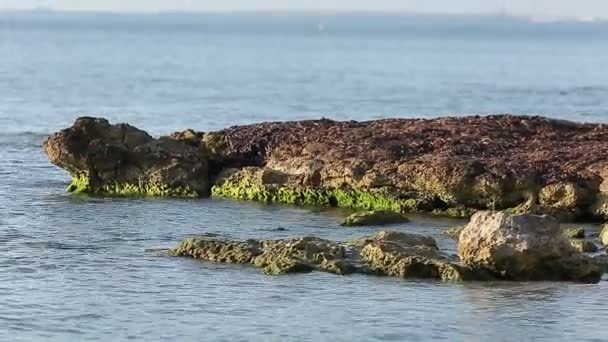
(123,160)
(386,253)
(374,218)
(523,247)
(449,166)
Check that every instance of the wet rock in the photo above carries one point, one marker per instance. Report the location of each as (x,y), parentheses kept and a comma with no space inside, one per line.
(386,253)
(454,232)
(574,232)
(218,250)
(403,239)
(274,257)
(583,246)
(602,262)
(374,218)
(523,247)
(123,160)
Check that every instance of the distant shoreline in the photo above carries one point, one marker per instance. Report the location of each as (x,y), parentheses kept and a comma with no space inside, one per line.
(511,17)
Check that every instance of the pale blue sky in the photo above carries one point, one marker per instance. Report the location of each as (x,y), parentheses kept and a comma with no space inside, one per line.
(537,8)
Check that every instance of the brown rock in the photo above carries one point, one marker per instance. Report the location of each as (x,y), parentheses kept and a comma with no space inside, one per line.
(123,160)
(374,218)
(523,247)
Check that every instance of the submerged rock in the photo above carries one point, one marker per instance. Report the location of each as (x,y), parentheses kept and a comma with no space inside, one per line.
(272,256)
(523,247)
(374,218)
(385,253)
(123,160)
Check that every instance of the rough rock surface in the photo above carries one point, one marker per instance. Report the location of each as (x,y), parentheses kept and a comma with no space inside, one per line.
(575,232)
(123,160)
(452,166)
(603,236)
(374,218)
(583,246)
(385,253)
(523,247)
(493,162)
(454,232)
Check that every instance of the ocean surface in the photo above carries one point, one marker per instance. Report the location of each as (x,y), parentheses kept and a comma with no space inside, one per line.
(77,268)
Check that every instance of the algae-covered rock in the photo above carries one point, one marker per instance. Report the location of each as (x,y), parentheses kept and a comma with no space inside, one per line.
(386,253)
(583,246)
(523,247)
(374,218)
(218,250)
(404,239)
(574,232)
(410,256)
(123,160)
(449,166)
(274,257)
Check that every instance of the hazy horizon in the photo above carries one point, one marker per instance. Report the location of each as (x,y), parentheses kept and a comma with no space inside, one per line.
(542,9)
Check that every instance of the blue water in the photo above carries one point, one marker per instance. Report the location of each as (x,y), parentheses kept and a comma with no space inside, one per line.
(84,269)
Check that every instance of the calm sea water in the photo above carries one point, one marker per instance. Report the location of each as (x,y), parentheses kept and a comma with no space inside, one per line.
(75,268)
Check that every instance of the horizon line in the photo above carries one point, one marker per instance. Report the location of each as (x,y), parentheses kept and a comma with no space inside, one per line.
(334,12)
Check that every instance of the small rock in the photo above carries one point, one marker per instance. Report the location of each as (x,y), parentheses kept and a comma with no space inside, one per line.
(340,267)
(583,246)
(575,232)
(454,232)
(374,218)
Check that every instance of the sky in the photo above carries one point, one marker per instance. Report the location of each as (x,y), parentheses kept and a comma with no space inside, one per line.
(533,8)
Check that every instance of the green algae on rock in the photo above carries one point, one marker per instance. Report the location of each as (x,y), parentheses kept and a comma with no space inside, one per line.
(448,166)
(81,184)
(374,218)
(385,253)
(122,160)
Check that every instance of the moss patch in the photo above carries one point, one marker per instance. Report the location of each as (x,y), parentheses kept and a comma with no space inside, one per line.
(243,189)
(81,184)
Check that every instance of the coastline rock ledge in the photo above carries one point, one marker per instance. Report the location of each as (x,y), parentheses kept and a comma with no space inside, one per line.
(453,166)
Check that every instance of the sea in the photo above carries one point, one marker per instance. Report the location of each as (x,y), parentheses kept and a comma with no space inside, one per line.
(79,268)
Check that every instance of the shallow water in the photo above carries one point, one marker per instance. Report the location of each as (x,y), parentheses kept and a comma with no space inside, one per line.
(76,268)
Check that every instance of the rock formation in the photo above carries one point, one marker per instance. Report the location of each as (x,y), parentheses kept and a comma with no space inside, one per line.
(452,166)
(123,160)
(523,247)
(385,253)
